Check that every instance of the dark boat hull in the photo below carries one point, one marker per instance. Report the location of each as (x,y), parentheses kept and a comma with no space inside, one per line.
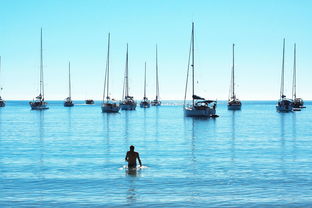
(68,104)
(89,102)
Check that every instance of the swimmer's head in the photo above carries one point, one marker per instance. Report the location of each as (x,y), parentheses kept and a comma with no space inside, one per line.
(132,147)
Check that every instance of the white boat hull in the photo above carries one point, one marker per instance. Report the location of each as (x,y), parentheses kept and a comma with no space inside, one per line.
(110,109)
(193,112)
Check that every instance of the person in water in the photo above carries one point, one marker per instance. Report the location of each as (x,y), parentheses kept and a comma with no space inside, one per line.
(131,158)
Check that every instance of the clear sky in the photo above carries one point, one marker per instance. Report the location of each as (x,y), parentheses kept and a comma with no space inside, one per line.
(76,31)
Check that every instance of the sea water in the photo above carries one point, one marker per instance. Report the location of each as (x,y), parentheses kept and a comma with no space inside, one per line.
(74,157)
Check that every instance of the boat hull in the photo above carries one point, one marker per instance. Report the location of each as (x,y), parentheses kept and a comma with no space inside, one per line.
(110,109)
(38,106)
(156,103)
(127,107)
(89,102)
(193,112)
(2,103)
(298,103)
(284,105)
(284,108)
(234,107)
(68,104)
(145,105)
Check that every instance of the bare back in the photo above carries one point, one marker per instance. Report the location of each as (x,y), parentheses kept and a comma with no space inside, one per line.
(131,157)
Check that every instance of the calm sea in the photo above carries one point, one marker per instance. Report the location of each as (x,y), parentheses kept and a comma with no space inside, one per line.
(74,157)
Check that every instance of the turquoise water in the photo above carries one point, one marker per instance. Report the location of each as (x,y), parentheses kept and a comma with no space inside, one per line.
(74,157)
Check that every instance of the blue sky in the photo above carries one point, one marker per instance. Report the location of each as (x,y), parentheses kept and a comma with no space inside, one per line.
(76,31)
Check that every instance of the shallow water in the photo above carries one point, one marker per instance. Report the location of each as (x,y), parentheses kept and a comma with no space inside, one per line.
(74,157)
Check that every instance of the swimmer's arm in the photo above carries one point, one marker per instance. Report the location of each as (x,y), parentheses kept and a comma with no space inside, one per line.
(139,160)
(126,158)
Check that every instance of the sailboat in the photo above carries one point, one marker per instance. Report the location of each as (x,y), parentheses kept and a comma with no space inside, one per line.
(284,104)
(145,103)
(109,105)
(68,101)
(297,102)
(89,102)
(2,102)
(39,103)
(233,102)
(127,103)
(156,102)
(200,107)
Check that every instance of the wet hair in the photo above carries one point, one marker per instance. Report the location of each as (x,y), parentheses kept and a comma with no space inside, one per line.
(131,147)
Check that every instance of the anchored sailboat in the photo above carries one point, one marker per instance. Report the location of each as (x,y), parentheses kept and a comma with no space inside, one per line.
(109,105)
(233,102)
(156,102)
(89,102)
(2,102)
(127,103)
(68,101)
(200,107)
(39,103)
(297,102)
(145,103)
(284,104)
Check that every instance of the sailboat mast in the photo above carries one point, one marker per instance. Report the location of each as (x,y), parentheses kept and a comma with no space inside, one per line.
(69,81)
(0,77)
(145,82)
(41,68)
(157,83)
(107,77)
(105,91)
(294,75)
(233,82)
(193,62)
(127,81)
(282,77)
